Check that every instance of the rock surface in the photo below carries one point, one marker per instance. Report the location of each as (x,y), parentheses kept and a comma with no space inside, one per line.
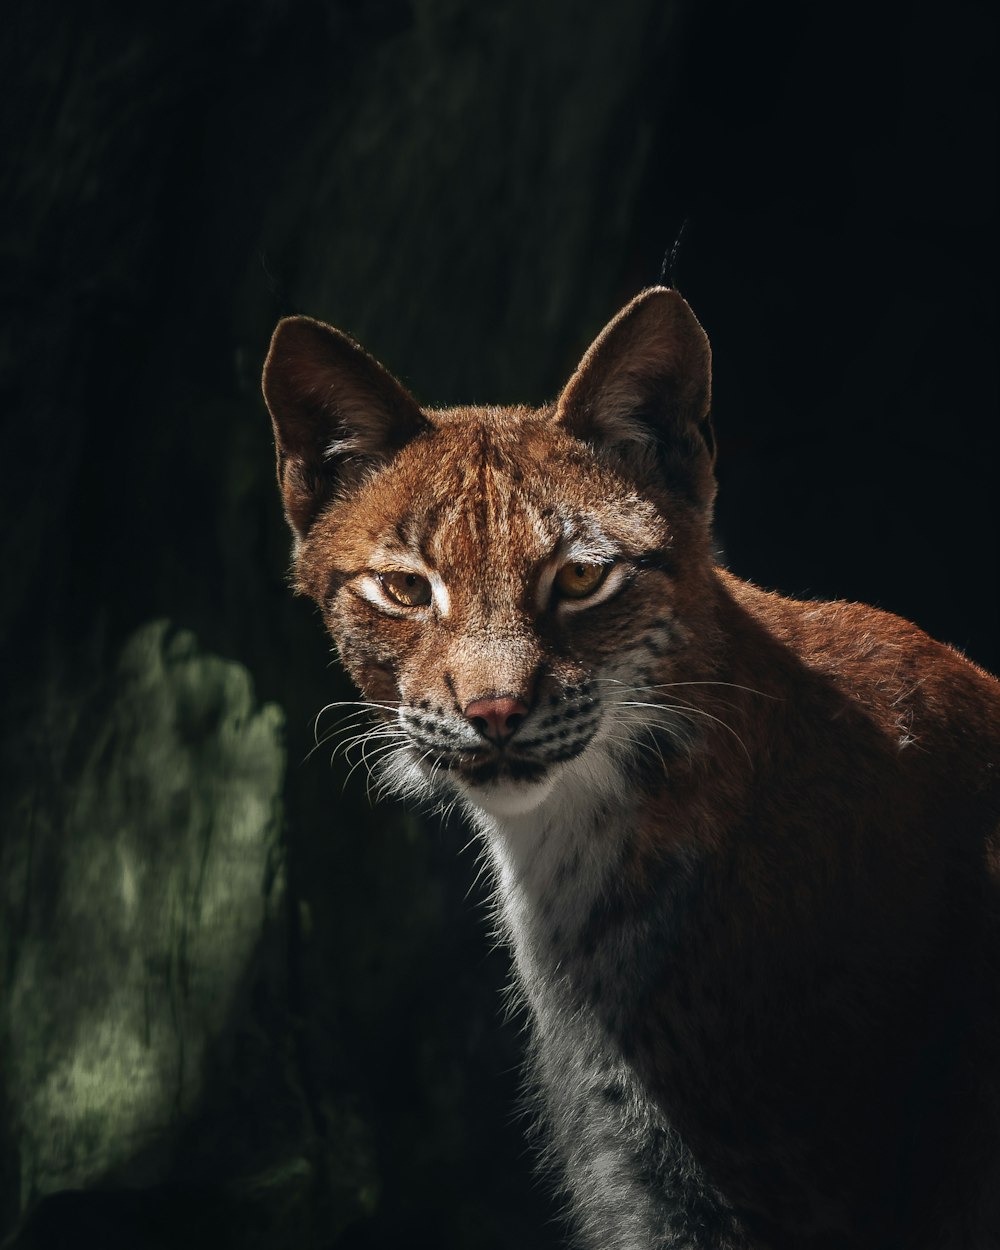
(140,872)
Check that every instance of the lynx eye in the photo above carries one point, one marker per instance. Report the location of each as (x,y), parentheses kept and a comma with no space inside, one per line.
(576,580)
(409,590)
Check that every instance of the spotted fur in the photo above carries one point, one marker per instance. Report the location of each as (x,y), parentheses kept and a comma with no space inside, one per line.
(745,848)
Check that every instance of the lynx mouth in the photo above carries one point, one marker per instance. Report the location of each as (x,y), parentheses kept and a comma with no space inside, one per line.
(518,765)
(529,757)
(498,767)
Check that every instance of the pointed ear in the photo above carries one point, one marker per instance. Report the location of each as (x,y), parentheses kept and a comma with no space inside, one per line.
(335,412)
(643,392)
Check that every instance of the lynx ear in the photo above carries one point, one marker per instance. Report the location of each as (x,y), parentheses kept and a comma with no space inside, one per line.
(335,411)
(643,390)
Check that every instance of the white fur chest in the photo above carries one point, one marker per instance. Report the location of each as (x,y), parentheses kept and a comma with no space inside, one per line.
(556,861)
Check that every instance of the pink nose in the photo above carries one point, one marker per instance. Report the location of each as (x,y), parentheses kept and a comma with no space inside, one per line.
(496,717)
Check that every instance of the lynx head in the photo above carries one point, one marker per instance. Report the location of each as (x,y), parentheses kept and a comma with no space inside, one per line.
(506,585)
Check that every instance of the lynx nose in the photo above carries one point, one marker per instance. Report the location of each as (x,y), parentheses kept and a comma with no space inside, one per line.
(497,717)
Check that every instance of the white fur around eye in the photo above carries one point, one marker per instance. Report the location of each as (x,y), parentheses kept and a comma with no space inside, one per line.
(442,599)
(370,587)
(606,589)
(543,591)
(592,549)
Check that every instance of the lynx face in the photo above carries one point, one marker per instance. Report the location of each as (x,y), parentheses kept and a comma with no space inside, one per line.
(508,586)
(493,603)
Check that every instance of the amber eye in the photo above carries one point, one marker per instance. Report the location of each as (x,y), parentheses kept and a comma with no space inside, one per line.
(409,590)
(577,580)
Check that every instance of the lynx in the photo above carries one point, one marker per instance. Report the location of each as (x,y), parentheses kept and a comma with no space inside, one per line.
(745,848)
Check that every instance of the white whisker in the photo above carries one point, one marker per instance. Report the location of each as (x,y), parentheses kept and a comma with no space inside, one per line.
(691,711)
(362,759)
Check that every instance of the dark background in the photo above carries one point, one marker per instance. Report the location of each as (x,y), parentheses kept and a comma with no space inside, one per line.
(471,190)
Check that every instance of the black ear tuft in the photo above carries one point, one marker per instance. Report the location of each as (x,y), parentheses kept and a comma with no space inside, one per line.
(645,384)
(334,409)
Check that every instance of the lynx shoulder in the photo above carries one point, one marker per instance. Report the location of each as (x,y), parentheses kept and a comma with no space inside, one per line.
(745,848)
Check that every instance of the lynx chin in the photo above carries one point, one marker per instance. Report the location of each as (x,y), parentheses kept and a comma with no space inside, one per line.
(746,849)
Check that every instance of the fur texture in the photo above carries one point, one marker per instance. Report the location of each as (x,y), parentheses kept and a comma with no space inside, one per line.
(745,848)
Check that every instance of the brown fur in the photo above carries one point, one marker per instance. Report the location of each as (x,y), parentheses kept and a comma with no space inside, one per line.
(820,1027)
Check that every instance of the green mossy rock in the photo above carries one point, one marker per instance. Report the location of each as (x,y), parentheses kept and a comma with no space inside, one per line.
(139,871)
